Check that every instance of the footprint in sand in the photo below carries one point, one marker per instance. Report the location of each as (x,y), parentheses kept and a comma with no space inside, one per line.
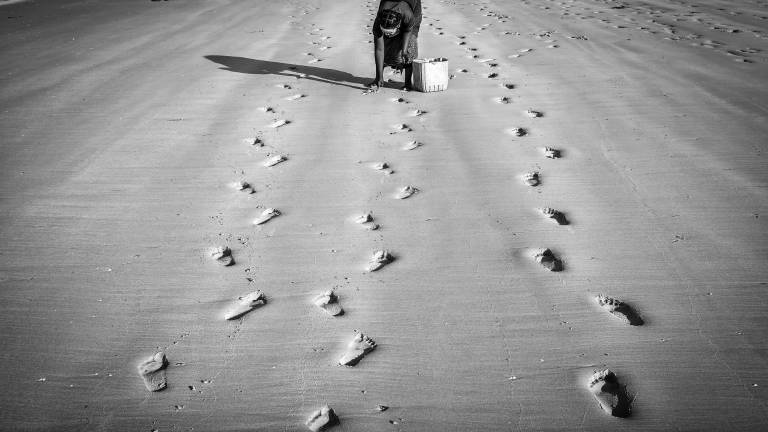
(223,255)
(399,100)
(266,216)
(503,100)
(245,304)
(406,192)
(152,372)
(611,396)
(274,160)
(416,113)
(297,96)
(314,60)
(357,349)
(749,50)
(517,131)
(366,220)
(279,123)
(533,114)
(412,145)
(619,309)
(255,141)
(492,75)
(383,167)
(509,86)
(555,215)
(283,86)
(739,58)
(548,260)
(243,186)
(329,302)
(402,127)
(265,109)
(322,419)
(379,259)
(531,178)
(551,153)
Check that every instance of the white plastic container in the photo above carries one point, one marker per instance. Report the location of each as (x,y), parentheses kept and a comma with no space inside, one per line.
(431,74)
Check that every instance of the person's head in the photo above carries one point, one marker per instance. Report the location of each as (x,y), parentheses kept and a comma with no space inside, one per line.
(390,21)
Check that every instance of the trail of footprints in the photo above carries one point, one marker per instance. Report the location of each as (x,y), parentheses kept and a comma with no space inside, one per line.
(675,21)
(604,385)
(610,395)
(153,370)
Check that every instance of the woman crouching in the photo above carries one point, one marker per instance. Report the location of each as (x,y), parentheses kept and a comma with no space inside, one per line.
(395,34)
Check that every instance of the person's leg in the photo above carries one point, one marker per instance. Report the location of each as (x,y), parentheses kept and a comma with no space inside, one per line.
(412,54)
(409,76)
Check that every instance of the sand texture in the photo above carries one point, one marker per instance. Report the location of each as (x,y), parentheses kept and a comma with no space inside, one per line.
(159,160)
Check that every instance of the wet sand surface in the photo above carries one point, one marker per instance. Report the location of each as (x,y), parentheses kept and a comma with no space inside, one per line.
(126,126)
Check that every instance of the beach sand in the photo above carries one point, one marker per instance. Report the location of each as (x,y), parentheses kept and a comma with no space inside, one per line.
(124,125)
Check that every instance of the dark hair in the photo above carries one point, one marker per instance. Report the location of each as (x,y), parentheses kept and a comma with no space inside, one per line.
(389,19)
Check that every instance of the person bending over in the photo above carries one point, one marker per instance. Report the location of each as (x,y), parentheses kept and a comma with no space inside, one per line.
(395,34)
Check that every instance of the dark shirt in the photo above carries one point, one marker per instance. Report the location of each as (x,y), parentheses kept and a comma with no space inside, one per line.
(410,10)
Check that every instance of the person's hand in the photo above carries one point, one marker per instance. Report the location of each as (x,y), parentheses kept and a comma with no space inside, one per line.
(376,83)
(401,56)
(374,86)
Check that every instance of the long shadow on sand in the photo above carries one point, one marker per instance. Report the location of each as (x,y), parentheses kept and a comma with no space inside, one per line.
(266,67)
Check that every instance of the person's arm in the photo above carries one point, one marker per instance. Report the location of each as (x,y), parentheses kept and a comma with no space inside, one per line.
(404,48)
(378,56)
